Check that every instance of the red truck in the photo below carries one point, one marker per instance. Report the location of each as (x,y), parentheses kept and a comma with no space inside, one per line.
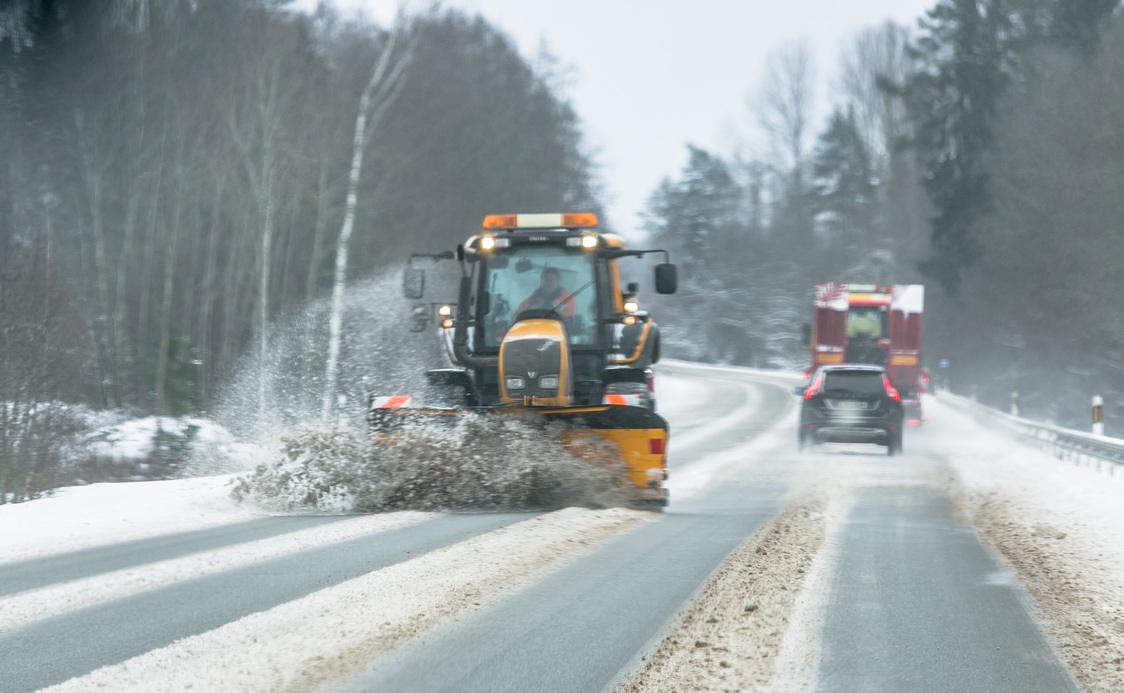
(867,323)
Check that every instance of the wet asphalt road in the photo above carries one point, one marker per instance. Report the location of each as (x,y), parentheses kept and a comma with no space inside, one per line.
(916,602)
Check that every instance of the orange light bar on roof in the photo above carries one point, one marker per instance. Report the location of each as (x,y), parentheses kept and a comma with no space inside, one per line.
(580,219)
(501,221)
(540,221)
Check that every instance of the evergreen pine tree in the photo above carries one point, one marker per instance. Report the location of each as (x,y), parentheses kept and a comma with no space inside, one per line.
(967,53)
(843,185)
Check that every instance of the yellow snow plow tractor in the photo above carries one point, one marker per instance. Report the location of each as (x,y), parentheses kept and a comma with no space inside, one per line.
(543,328)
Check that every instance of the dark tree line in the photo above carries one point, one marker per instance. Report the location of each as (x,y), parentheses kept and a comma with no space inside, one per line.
(978,154)
(174,177)
(1016,126)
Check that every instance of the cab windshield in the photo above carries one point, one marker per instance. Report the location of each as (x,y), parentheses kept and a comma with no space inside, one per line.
(866,322)
(534,281)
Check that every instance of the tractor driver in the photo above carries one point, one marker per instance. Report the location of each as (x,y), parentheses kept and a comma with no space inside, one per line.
(549,295)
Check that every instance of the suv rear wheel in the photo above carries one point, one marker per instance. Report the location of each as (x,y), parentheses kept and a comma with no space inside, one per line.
(895,445)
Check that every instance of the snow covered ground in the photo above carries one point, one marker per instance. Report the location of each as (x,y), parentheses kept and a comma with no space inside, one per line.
(1060,526)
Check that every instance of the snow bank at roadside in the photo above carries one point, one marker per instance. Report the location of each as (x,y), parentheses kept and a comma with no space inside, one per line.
(1084,504)
(83,516)
(1060,527)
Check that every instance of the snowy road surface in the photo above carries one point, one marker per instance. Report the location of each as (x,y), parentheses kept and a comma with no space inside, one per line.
(969,563)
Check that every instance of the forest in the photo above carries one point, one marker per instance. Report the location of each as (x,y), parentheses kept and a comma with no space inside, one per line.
(180,178)
(980,153)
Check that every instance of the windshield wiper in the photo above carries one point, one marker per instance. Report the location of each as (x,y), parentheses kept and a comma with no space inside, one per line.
(571,296)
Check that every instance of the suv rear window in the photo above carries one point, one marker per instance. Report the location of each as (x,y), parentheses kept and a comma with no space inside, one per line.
(858,382)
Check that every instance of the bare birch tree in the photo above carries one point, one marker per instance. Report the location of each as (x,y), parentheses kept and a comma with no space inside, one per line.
(877,58)
(872,69)
(783,108)
(387,79)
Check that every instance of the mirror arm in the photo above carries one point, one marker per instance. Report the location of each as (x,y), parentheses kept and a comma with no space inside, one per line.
(614,253)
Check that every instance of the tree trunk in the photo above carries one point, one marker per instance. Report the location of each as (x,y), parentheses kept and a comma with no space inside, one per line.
(382,90)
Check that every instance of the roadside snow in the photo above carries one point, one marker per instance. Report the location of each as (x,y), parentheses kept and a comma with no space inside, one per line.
(1084,504)
(1060,527)
(678,394)
(83,516)
(135,439)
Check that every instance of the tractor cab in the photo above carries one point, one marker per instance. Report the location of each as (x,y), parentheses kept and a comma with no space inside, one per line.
(557,267)
(524,269)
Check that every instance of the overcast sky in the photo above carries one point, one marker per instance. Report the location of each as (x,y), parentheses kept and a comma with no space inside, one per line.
(650,77)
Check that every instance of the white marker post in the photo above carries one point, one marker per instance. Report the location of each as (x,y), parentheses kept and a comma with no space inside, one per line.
(1098,424)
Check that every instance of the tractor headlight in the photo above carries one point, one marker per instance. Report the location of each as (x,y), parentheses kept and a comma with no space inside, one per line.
(514,382)
(587,241)
(548,382)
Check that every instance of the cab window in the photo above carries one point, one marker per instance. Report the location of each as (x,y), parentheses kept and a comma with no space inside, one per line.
(540,278)
(866,322)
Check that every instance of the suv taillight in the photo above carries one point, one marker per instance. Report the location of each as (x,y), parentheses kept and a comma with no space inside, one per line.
(812,389)
(890,390)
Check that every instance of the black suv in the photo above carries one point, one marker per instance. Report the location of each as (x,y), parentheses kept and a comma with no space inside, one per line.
(850,403)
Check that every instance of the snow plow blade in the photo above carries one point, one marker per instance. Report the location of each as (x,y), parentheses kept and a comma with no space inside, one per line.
(639,433)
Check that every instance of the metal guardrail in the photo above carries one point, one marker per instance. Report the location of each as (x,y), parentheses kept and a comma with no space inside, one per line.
(1067,444)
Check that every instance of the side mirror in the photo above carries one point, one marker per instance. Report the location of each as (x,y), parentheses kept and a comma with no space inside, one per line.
(667,278)
(805,336)
(413,283)
(799,390)
(633,288)
(419,317)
